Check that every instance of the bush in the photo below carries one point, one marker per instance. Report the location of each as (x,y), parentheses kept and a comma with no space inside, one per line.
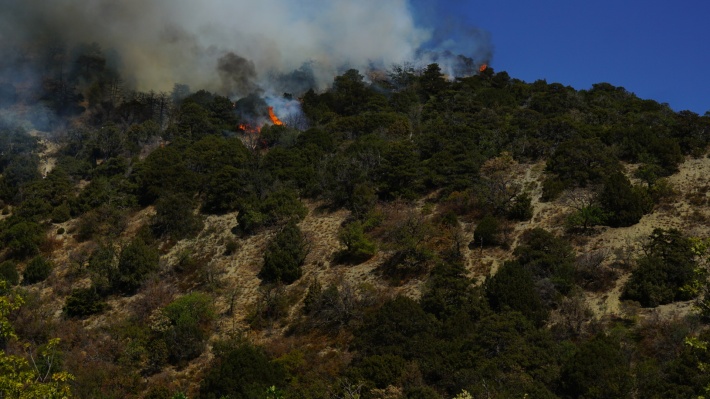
(599,369)
(23,239)
(102,268)
(548,257)
(585,218)
(281,206)
(359,247)
(285,255)
(174,217)
(8,272)
(381,370)
(521,209)
(61,213)
(487,232)
(36,271)
(579,161)
(231,247)
(190,318)
(104,221)
(241,371)
(136,261)
(623,204)
(552,187)
(84,302)
(513,289)
(667,273)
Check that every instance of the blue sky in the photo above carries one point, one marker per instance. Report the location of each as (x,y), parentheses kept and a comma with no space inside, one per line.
(655,49)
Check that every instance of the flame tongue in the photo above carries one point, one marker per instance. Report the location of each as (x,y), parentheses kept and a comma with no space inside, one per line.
(274,118)
(483,67)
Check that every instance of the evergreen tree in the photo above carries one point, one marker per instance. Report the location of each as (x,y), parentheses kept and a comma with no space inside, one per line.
(285,255)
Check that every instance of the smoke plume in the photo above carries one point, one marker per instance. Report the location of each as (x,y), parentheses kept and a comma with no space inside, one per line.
(227,46)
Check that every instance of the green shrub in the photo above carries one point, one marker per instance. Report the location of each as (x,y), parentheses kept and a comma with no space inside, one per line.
(521,209)
(8,272)
(512,288)
(240,371)
(23,239)
(281,206)
(190,318)
(599,369)
(552,187)
(37,270)
(381,370)
(104,221)
(666,273)
(487,232)
(585,218)
(102,268)
(84,302)
(231,247)
(359,247)
(175,217)
(623,203)
(581,161)
(158,392)
(61,213)
(285,255)
(136,261)
(547,257)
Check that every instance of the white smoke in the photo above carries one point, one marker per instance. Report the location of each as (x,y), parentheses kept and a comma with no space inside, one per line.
(161,42)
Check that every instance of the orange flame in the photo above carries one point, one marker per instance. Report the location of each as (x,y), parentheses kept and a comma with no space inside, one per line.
(274,118)
(247,128)
(483,67)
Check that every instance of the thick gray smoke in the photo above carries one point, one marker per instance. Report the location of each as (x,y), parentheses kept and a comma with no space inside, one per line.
(226,46)
(238,74)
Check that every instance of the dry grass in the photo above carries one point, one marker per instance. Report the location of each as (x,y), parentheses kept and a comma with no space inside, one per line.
(232,277)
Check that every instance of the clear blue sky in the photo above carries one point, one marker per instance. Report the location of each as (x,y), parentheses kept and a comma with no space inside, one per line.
(655,49)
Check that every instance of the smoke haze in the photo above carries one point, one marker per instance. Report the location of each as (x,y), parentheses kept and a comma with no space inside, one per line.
(231,46)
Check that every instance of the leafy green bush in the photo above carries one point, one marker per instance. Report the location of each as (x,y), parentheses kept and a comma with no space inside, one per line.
(23,239)
(104,221)
(37,270)
(487,232)
(8,272)
(175,217)
(580,161)
(280,206)
(136,261)
(380,370)
(585,218)
(84,302)
(61,213)
(189,320)
(552,187)
(449,291)
(359,247)
(599,370)
(548,257)
(667,272)
(521,208)
(285,255)
(240,371)
(512,288)
(623,203)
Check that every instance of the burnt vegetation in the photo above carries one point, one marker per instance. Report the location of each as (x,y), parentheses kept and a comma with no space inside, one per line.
(410,157)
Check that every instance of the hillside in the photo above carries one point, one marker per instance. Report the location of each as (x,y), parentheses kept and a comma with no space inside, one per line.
(403,235)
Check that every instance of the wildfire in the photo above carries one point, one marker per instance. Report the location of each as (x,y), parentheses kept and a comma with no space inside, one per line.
(247,128)
(483,67)
(274,118)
